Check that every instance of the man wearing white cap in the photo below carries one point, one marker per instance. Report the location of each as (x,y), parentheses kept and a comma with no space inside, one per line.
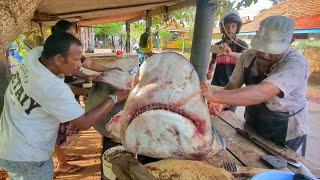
(276,80)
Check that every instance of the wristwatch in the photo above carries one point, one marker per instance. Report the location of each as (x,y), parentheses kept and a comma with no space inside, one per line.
(114,98)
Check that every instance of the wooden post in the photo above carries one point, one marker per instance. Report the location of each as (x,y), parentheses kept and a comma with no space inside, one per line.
(90,39)
(148,21)
(41,32)
(202,35)
(86,37)
(128,36)
(121,42)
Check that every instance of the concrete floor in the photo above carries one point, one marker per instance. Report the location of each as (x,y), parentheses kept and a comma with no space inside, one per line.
(313,140)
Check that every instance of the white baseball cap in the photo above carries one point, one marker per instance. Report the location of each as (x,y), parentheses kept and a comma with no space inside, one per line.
(274,35)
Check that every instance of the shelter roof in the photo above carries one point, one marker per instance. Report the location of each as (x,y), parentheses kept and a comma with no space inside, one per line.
(89,12)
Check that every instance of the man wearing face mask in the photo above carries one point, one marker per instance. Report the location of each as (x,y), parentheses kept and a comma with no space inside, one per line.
(276,80)
(232,48)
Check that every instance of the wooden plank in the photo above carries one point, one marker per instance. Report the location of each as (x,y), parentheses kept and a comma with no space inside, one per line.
(245,151)
(103,12)
(168,9)
(236,122)
(110,18)
(218,159)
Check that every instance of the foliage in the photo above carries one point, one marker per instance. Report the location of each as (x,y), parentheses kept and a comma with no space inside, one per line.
(186,16)
(245,3)
(137,28)
(225,7)
(27,39)
(111,29)
(183,43)
(306,43)
(165,36)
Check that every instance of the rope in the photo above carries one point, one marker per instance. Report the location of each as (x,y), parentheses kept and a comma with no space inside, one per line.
(224,28)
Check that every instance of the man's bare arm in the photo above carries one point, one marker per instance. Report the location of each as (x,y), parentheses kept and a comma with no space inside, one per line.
(87,120)
(250,95)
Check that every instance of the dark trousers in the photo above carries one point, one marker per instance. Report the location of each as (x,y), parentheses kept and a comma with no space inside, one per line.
(295,143)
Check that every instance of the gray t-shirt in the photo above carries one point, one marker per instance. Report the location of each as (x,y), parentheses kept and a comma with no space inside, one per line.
(290,75)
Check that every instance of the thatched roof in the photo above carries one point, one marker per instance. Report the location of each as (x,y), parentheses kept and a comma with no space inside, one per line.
(90,12)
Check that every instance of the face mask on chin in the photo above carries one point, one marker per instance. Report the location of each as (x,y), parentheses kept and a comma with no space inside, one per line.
(263,61)
(268,62)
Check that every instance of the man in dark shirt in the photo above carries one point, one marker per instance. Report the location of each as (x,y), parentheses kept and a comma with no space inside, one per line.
(232,48)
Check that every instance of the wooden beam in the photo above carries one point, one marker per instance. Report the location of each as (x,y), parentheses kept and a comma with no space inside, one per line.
(38,17)
(110,19)
(41,32)
(102,13)
(135,19)
(101,10)
(168,9)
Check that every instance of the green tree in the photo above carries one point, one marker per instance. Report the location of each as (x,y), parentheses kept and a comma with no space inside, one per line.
(137,28)
(111,29)
(165,36)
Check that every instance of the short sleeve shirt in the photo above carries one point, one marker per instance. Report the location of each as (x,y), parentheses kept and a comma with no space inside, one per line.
(35,103)
(290,75)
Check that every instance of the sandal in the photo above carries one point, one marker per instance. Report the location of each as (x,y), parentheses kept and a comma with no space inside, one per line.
(72,169)
(73,157)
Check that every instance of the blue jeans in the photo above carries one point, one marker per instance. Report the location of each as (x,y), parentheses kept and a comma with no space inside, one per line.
(24,170)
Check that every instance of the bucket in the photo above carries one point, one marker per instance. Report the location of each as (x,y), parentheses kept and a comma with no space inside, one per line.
(107,158)
(278,175)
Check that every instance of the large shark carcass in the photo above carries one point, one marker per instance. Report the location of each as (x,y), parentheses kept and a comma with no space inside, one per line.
(165,114)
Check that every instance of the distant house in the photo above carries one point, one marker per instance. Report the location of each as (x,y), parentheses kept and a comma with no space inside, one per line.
(178,31)
(306,14)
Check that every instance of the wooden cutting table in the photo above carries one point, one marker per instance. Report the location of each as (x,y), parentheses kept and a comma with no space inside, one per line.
(241,151)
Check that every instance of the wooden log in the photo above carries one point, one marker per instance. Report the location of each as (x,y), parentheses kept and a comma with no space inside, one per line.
(121,164)
(128,168)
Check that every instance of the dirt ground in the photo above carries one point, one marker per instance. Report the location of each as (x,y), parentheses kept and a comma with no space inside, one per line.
(89,146)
